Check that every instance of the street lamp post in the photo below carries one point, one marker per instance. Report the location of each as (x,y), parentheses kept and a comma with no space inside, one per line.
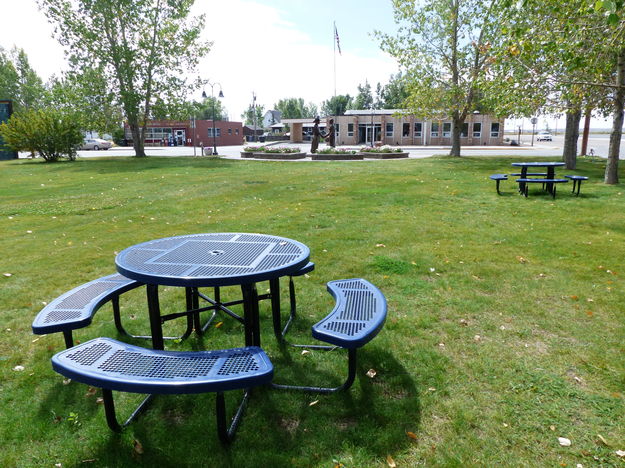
(254,111)
(204,96)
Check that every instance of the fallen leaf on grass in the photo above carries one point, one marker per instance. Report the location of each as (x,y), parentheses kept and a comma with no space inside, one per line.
(464,322)
(18,368)
(412,435)
(99,401)
(564,442)
(305,352)
(313,403)
(380,245)
(620,453)
(602,440)
(91,391)
(218,324)
(138,448)
(575,298)
(521,259)
(390,461)
(8,274)
(477,338)
(371,373)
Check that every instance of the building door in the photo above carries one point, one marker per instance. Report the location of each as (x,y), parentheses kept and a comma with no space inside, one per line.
(365,132)
(180,136)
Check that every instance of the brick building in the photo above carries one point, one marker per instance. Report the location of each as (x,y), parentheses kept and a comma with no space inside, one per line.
(360,127)
(180,133)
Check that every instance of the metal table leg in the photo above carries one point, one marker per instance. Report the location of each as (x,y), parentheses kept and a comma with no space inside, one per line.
(155,316)
(250,314)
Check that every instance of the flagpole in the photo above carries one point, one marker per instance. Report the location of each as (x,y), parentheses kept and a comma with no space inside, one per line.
(334,43)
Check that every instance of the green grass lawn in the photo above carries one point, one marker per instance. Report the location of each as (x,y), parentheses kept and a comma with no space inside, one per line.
(505,326)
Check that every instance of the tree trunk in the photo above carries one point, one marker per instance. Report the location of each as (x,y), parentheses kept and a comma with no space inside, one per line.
(456,128)
(586,131)
(571,135)
(611,167)
(137,139)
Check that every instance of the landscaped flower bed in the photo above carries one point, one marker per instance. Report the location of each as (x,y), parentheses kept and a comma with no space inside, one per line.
(279,152)
(248,151)
(336,154)
(383,152)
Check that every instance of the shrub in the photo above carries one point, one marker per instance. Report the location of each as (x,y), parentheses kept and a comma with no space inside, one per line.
(381,149)
(281,149)
(52,133)
(335,151)
(254,149)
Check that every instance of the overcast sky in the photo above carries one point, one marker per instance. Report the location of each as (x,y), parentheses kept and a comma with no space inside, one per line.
(275,48)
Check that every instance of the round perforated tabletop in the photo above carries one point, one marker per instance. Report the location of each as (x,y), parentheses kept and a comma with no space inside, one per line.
(216,259)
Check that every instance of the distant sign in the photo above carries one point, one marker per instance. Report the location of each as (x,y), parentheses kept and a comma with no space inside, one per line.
(534,120)
(6,109)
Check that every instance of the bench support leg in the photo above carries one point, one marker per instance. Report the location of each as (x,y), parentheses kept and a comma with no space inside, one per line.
(351,375)
(69,340)
(109,410)
(498,192)
(226,435)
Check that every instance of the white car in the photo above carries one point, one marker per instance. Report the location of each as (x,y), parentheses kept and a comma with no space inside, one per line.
(544,136)
(95,144)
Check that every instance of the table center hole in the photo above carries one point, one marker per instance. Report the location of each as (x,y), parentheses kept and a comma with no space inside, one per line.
(216,252)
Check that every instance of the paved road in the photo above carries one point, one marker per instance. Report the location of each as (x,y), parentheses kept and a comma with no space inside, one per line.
(598,142)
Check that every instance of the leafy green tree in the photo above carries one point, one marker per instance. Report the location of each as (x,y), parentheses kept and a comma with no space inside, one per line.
(18,81)
(294,108)
(553,60)
(394,94)
(364,98)
(336,105)
(445,47)
(53,133)
(87,97)
(248,115)
(141,48)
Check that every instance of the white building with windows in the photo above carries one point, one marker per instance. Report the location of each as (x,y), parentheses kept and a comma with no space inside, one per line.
(391,127)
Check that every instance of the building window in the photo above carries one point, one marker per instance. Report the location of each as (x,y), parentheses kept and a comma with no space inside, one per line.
(477,129)
(350,129)
(405,129)
(465,130)
(217,132)
(434,130)
(236,131)
(418,128)
(337,129)
(494,130)
(389,129)
(229,131)
(446,129)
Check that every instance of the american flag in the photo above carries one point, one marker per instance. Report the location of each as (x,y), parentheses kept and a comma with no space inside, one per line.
(336,35)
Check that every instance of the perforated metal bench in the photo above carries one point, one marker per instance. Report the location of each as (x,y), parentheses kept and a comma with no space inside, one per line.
(76,308)
(498,178)
(551,184)
(357,317)
(577,182)
(111,365)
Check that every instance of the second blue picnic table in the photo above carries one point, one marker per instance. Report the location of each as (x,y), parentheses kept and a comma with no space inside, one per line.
(551,171)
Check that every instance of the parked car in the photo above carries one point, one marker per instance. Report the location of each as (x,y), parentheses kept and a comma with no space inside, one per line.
(95,144)
(544,136)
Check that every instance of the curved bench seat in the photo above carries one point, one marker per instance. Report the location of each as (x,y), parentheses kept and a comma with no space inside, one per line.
(357,317)
(112,365)
(76,308)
